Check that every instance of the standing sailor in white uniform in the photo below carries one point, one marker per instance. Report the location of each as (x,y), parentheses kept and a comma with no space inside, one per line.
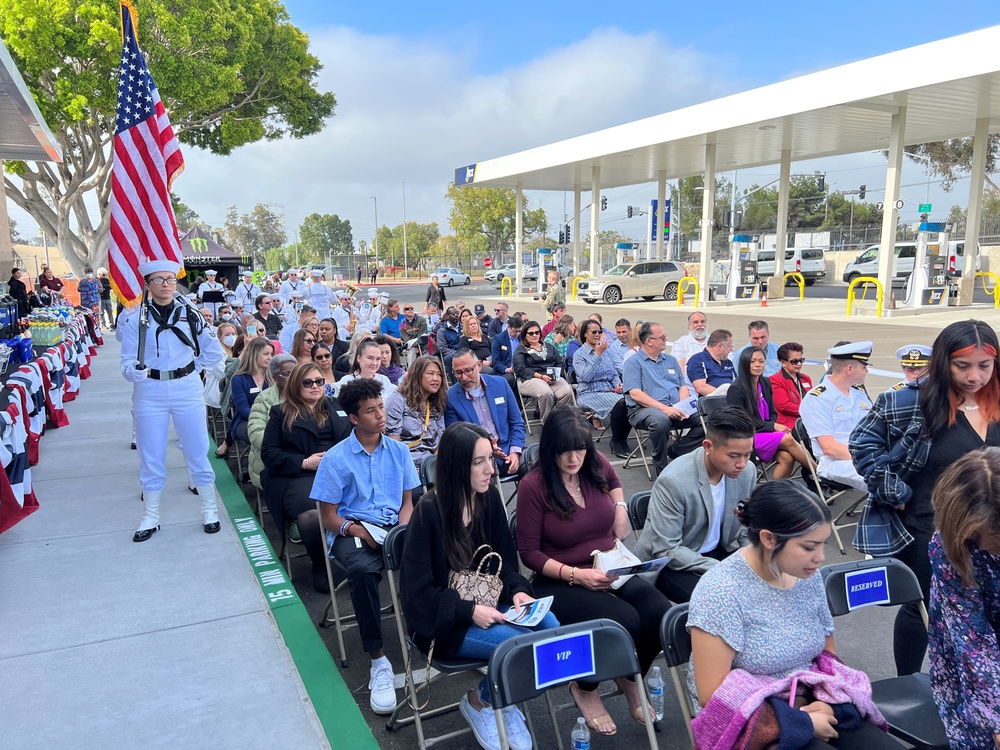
(291,285)
(211,285)
(247,291)
(318,295)
(164,344)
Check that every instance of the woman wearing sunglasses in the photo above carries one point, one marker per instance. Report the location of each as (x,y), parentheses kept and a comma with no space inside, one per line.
(789,384)
(299,431)
(322,355)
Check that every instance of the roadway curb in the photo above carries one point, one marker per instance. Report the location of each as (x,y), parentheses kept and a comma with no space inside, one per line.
(335,706)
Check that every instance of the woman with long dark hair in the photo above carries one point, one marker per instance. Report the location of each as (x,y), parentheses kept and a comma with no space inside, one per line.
(389,353)
(302,345)
(759,617)
(249,380)
(539,368)
(752,393)
(463,512)
(567,507)
(366,363)
(965,600)
(912,434)
(322,355)
(414,414)
(299,431)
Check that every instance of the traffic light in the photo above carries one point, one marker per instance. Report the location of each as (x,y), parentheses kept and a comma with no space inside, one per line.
(562,237)
(604,203)
(629,212)
(569,237)
(821,182)
(861,192)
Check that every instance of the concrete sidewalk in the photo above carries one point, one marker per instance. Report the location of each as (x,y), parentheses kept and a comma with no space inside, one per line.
(168,643)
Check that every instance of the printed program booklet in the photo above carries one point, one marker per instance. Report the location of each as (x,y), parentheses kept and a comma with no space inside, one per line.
(650,566)
(530,614)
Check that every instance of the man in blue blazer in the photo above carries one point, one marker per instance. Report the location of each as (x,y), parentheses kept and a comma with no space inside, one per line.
(504,344)
(487,400)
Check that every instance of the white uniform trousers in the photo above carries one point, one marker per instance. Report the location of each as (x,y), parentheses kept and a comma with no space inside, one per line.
(840,470)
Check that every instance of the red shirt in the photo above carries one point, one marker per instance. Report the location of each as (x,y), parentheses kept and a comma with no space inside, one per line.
(787,394)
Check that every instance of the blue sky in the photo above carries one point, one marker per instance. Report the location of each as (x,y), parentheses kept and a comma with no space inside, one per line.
(423,88)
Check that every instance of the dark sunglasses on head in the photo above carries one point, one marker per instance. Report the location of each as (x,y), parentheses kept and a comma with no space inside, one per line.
(314,383)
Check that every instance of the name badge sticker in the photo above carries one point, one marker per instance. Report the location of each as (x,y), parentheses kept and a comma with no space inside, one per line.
(342,414)
(672,372)
(867,587)
(564,658)
(498,400)
(503,348)
(255,390)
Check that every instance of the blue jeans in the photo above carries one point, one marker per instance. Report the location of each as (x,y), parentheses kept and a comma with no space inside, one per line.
(480,644)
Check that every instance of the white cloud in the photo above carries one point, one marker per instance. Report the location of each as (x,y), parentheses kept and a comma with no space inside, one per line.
(416,110)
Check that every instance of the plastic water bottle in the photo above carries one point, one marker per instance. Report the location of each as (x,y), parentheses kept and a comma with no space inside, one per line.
(655,683)
(580,736)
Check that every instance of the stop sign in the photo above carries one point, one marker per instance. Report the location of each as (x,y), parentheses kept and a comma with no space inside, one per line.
(487,262)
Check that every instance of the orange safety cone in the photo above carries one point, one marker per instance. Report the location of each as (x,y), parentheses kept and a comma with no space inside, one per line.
(763,299)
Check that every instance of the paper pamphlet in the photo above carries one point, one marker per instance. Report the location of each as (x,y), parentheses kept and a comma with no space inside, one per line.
(650,566)
(530,614)
(378,533)
(688,406)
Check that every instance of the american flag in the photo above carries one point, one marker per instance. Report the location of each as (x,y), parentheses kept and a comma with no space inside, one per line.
(147,158)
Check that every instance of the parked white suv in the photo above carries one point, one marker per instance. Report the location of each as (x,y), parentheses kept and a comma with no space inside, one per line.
(809,261)
(646,279)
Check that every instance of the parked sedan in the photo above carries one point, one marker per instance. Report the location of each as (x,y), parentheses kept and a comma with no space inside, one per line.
(501,272)
(452,276)
(646,279)
(531,272)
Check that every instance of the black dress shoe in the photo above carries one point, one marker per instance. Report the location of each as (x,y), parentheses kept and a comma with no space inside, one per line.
(193,490)
(132,446)
(621,451)
(212,528)
(141,536)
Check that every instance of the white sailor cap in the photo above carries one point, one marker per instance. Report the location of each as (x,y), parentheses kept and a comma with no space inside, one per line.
(316,272)
(859,350)
(293,271)
(248,273)
(152,266)
(372,293)
(296,294)
(192,296)
(341,294)
(913,355)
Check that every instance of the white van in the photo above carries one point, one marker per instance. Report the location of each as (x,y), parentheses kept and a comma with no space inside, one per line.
(866,264)
(809,261)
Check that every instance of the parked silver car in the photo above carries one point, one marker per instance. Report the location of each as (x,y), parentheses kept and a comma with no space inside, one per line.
(646,279)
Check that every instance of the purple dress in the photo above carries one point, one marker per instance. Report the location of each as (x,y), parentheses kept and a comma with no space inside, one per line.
(765,444)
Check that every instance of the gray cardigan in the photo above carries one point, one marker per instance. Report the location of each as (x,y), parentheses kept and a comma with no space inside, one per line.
(680,509)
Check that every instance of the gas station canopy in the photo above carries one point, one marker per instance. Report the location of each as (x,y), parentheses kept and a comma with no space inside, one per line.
(945,87)
(23,133)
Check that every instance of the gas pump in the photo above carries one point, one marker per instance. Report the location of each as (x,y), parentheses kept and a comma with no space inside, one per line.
(928,284)
(625,252)
(742,274)
(544,264)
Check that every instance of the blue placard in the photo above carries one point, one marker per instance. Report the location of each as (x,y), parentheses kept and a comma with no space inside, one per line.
(867,587)
(564,658)
(465,175)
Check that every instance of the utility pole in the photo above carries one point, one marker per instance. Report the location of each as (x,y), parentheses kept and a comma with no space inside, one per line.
(376,230)
(406,264)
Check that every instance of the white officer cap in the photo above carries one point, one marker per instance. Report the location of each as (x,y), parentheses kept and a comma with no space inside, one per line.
(340,294)
(152,266)
(857,350)
(296,294)
(913,355)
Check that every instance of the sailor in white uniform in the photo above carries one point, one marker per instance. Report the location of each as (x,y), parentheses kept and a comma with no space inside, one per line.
(291,285)
(342,315)
(247,291)
(318,295)
(211,285)
(165,342)
(370,314)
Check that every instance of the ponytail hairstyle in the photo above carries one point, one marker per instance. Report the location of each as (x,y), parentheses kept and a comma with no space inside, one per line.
(786,509)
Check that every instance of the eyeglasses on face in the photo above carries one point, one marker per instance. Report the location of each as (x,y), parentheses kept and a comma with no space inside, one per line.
(309,341)
(284,374)
(314,383)
(533,332)
(657,338)
(323,356)
(797,361)
(465,372)
(163,281)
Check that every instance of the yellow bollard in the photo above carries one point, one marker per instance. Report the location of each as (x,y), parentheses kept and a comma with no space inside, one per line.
(683,285)
(800,280)
(507,283)
(573,286)
(878,294)
(996,285)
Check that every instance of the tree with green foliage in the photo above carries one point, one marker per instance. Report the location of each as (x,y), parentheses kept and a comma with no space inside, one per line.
(230,72)
(186,217)
(951,160)
(490,213)
(321,234)
(420,239)
(255,233)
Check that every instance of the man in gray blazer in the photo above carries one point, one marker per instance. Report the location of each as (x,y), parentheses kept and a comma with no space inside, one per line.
(691,509)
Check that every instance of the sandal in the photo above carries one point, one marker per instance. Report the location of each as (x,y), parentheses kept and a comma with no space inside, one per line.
(594,723)
(596,423)
(222,451)
(635,713)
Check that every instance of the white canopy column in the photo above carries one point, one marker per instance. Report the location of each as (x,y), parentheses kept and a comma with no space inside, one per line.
(707,222)
(595,219)
(661,207)
(974,216)
(518,238)
(576,231)
(776,284)
(890,214)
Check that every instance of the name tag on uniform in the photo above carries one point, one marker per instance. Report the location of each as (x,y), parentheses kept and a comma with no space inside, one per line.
(255,390)
(671,372)
(498,400)
(504,348)
(341,414)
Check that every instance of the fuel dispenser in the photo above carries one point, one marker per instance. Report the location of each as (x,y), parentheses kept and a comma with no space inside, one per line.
(742,274)
(928,284)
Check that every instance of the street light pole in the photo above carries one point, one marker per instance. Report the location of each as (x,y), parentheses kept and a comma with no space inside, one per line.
(406,265)
(376,229)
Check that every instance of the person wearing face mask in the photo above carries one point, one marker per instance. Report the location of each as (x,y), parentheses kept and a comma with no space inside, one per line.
(694,340)
(90,291)
(107,315)
(225,313)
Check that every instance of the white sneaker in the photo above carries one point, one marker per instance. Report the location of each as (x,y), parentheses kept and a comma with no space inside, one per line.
(483,724)
(383,698)
(518,736)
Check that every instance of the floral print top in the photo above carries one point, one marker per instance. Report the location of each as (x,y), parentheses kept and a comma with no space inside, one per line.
(964,652)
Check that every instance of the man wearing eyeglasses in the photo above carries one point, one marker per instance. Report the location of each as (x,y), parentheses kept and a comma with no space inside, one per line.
(500,320)
(654,383)
(488,401)
(789,385)
(165,342)
(503,347)
(266,316)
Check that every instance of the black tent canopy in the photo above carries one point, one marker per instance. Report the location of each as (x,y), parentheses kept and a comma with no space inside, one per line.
(201,252)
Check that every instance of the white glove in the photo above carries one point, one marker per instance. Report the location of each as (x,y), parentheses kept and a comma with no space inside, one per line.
(135,375)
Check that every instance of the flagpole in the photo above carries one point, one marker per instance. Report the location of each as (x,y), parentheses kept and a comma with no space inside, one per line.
(406,265)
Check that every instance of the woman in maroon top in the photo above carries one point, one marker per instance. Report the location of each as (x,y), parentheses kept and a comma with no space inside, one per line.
(569,506)
(789,384)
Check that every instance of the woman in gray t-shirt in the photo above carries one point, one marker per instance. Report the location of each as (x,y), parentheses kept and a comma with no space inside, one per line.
(763,609)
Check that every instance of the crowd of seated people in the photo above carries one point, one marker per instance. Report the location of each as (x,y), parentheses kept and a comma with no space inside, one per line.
(353,442)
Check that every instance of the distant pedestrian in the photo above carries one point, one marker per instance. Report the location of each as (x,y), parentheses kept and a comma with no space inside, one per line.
(107,312)
(374,274)
(358,270)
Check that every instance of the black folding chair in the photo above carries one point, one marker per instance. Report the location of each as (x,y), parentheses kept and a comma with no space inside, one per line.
(906,702)
(676,643)
(637,508)
(392,554)
(514,677)
(427,472)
